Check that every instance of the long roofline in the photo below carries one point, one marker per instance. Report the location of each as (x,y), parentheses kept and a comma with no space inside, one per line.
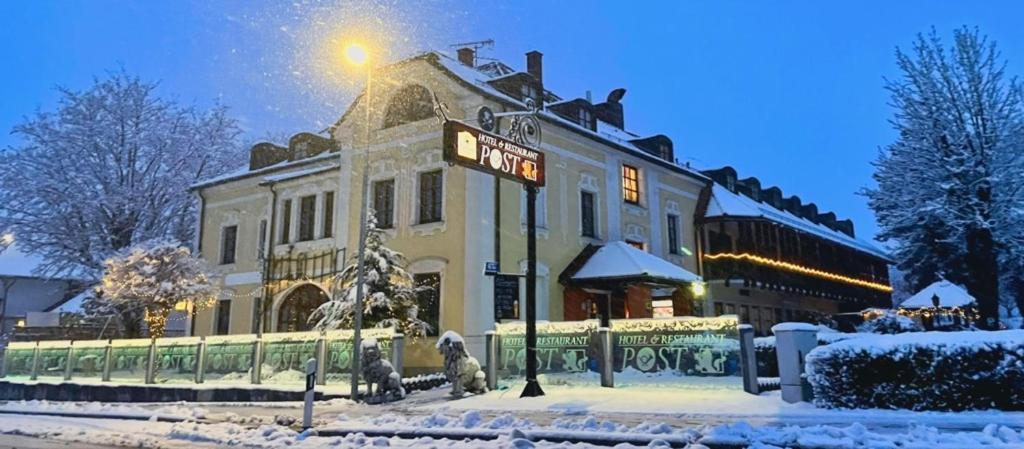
(434,59)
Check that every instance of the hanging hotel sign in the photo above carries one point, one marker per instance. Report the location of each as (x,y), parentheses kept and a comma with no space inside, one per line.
(491,153)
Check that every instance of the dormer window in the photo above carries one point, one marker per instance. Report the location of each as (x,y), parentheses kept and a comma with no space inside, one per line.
(527,90)
(584,118)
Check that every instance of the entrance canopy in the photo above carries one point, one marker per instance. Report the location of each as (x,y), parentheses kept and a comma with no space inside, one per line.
(620,261)
(948,294)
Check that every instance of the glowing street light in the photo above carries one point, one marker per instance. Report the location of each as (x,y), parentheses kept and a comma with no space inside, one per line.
(357,55)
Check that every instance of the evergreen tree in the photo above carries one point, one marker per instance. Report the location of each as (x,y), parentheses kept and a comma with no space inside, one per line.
(390,298)
(947,187)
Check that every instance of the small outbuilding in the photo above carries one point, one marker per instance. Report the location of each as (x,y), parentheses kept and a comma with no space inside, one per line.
(941,305)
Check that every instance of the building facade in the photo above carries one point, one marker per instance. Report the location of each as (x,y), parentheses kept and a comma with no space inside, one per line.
(280,228)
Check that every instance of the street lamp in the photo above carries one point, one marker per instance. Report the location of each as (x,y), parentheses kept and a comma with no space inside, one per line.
(357,55)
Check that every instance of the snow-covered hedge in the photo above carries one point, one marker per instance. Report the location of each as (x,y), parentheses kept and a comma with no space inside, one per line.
(921,371)
(768,361)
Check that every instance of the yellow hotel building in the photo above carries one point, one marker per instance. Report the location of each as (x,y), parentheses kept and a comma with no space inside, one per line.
(281,227)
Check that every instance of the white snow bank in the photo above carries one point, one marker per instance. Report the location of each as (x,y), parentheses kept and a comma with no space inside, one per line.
(877,344)
(179,410)
(783,327)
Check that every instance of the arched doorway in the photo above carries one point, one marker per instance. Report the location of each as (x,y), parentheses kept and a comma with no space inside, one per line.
(294,311)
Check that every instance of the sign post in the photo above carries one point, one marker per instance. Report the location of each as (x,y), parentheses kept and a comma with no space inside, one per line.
(500,156)
(307,409)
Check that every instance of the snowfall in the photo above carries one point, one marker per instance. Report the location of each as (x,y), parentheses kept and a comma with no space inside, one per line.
(567,417)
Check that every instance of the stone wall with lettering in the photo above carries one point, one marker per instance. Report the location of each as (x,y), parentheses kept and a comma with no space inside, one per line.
(18,359)
(128,360)
(87,359)
(690,350)
(176,360)
(229,358)
(566,352)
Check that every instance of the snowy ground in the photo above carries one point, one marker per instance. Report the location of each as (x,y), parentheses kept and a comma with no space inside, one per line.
(500,419)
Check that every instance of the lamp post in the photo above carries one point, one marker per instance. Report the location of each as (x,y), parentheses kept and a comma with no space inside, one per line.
(357,55)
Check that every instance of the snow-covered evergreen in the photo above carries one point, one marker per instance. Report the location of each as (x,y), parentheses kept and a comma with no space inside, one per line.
(110,168)
(149,279)
(948,186)
(390,298)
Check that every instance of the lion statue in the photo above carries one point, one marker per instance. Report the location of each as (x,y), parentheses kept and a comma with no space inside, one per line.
(377,371)
(461,369)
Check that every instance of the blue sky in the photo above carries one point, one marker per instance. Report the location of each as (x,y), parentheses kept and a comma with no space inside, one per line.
(790,92)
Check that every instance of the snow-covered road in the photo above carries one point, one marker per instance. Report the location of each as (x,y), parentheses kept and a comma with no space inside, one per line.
(498,418)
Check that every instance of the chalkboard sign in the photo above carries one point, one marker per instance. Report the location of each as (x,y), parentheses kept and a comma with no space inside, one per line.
(506,297)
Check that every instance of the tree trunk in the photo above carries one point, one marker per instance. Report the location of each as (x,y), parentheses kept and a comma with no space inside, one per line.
(983,275)
(1017,289)
(157,321)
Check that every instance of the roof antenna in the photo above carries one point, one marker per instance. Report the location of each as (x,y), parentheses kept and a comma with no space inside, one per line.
(476,46)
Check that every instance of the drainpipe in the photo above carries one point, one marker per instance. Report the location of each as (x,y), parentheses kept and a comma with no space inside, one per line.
(260,312)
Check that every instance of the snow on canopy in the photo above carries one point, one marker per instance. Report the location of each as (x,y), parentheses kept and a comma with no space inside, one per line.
(622,260)
(728,204)
(950,295)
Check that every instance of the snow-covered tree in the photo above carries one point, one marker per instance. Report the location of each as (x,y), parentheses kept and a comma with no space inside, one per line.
(110,167)
(147,281)
(949,185)
(390,297)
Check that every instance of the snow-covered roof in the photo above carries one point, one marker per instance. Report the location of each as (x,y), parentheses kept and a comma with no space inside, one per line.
(75,303)
(950,295)
(728,204)
(299,173)
(617,260)
(244,172)
(605,132)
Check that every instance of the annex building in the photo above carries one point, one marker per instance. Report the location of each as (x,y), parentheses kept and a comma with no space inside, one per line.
(624,230)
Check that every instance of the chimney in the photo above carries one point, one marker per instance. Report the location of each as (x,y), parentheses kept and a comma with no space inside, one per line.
(467,56)
(610,111)
(534,66)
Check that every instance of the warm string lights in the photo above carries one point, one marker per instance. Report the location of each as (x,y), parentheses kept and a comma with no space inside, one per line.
(966,314)
(800,269)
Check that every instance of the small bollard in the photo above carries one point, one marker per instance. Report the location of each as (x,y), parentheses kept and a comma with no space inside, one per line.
(398,354)
(491,339)
(748,359)
(307,410)
(792,343)
(604,341)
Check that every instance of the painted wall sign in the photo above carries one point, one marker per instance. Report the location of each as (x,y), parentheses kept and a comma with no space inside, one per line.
(490,153)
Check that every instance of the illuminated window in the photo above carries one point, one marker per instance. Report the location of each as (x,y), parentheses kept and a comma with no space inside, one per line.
(636,244)
(630,184)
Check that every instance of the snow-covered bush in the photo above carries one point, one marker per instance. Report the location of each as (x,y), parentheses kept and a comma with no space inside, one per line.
(149,279)
(390,296)
(921,371)
(889,323)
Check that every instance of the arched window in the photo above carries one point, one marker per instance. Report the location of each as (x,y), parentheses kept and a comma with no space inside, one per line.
(298,306)
(410,104)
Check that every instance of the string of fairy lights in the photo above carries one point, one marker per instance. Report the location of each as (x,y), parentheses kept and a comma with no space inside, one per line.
(967,314)
(788,266)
